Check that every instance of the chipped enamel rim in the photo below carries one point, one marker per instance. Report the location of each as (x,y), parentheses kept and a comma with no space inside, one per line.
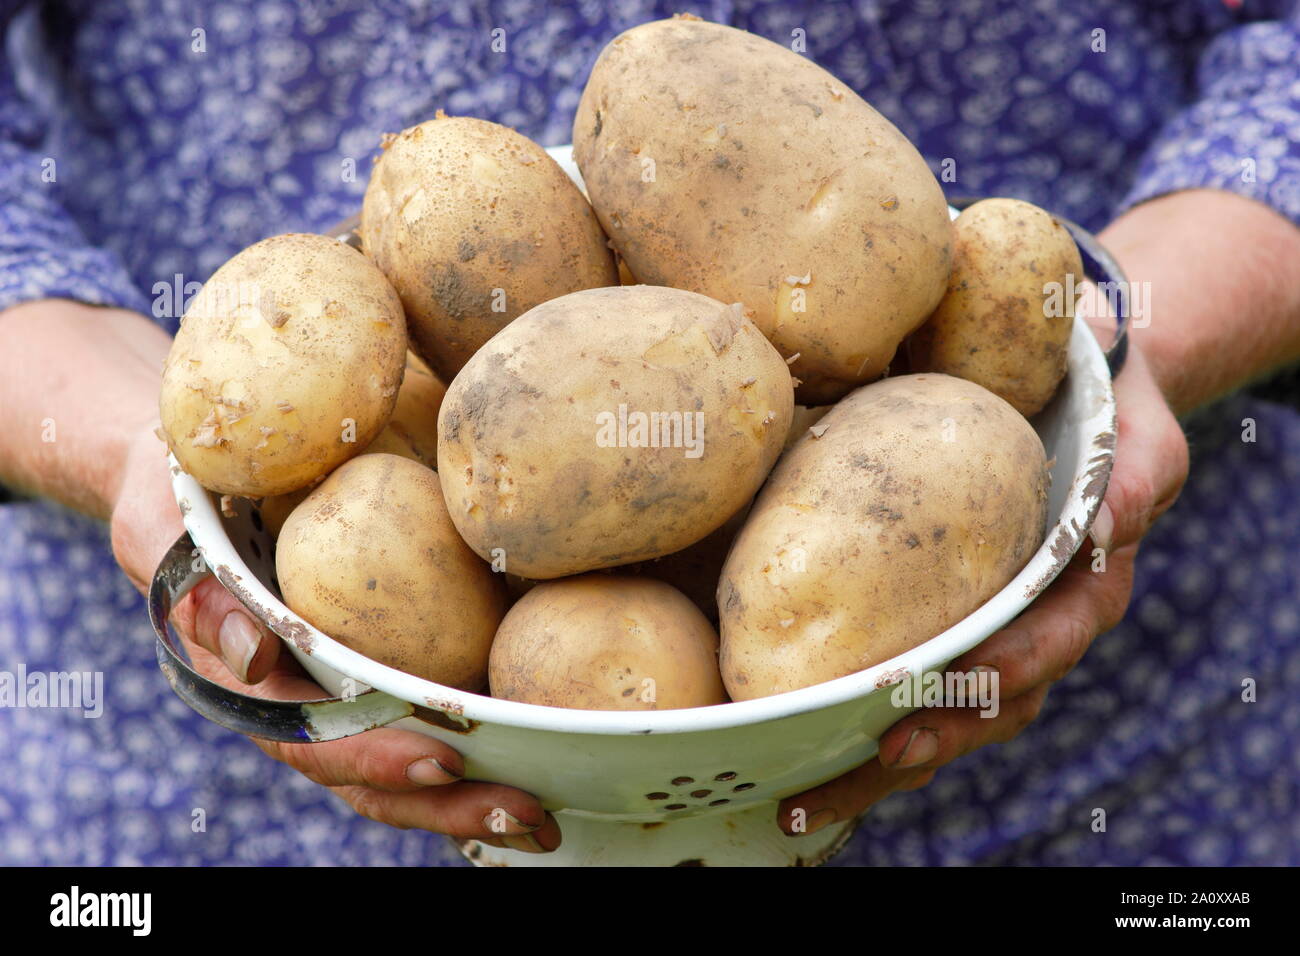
(1088,485)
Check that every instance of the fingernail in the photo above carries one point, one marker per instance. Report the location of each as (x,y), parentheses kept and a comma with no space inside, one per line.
(502,823)
(239,641)
(427,772)
(526,843)
(921,747)
(1103,526)
(821,818)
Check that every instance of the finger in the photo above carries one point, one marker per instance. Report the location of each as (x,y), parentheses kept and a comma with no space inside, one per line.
(385,758)
(467,810)
(843,798)
(215,620)
(1096,311)
(1151,459)
(145,523)
(935,736)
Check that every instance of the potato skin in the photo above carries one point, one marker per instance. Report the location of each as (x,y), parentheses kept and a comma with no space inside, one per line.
(993,327)
(457,208)
(520,433)
(606,642)
(411,432)
(371,558)
(902,533)
(284,342)
(767,170)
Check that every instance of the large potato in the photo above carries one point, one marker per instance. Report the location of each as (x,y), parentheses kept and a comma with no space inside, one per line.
(287,363)
(474,225)
(726,164)
(411,432)
(922,498)
(610,426)
(1005,321)
(371,559)
(606,642)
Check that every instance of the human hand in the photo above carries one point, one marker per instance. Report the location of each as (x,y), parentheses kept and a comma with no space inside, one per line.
(398,777)
(1045,642)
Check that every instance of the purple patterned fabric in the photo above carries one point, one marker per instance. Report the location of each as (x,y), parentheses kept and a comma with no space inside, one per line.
(143,143)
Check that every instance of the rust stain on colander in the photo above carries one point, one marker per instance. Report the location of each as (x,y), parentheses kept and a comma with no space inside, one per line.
(286,627)
(1068,539)
(439,713)
(891,677)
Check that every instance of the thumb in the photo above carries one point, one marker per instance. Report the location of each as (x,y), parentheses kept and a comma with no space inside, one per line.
(145,524)
(1151,459)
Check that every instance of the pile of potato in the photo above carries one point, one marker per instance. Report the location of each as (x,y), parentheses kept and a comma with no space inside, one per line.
(587,493)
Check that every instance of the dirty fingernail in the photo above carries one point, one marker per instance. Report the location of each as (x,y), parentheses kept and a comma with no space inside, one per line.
(239,641)
(921,747)
(821,818)
(429,773)
(502,823)
(526,843)
(1103,526)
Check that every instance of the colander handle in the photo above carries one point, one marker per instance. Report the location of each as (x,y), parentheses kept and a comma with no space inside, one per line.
(305,721)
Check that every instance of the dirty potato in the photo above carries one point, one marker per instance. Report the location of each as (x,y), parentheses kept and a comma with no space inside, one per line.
(610,426)
(474,225)
(287,363)
(726,164)
(371,558)
(1006,319)
(912,502)
(606,642)
(411,432)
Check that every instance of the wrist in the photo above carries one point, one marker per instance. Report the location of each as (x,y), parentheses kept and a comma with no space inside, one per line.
(80,388)
(1208,269)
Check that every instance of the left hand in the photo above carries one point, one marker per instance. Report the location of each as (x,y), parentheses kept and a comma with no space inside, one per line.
(1042,645)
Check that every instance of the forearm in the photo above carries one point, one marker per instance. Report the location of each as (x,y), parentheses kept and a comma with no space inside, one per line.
(78,385)
(1224,275)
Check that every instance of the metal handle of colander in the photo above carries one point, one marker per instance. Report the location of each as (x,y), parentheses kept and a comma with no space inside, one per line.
(305,721)
(1100,266)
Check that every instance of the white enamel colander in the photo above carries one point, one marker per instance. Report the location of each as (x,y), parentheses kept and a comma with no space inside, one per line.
(676,787)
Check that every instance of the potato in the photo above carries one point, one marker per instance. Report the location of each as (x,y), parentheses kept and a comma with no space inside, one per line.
(287,363)
(726,164)
(411,432)
(1005,321)
(474,225)
(606,642)
(695,570)
(924,496)
(610,426)
(371,559)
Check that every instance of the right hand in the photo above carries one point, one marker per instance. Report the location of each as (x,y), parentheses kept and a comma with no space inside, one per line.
(398,777)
